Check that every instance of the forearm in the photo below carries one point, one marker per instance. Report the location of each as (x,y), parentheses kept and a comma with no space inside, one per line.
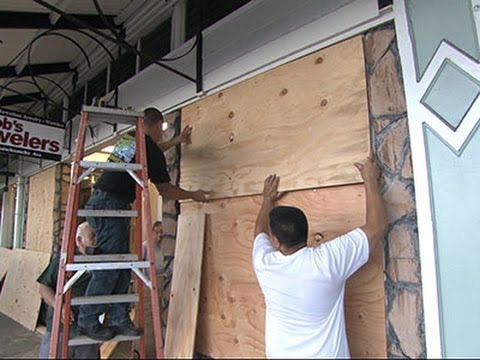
(47,294)
(262,222)
(172,192)
(166,145)
(376,217)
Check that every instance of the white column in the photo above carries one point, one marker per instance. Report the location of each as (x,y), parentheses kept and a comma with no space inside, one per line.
(19,217)
(178,24)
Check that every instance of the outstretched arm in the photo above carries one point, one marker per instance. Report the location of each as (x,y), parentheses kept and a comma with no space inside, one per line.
(376,219)
(270,196)
(172,192)
(184,137)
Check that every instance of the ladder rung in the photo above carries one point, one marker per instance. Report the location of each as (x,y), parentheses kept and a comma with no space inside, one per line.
(110,165)
(105,258)
(104,299)
(85,340)
(116,116)
(107,213)
(108,266)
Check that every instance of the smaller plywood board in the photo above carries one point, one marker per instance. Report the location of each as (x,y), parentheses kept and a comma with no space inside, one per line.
(20,298)
(306,121)
(5,258)
(41,203)
(232,310)
(185,290)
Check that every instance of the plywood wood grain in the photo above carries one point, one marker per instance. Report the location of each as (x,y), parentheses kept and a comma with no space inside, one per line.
(306,121)
(185,290)
(20,298)
(232,310)
(5,259)
(40,219)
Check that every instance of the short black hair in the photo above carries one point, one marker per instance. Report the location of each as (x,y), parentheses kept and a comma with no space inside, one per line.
(156,223)
(152,116)
(289,225)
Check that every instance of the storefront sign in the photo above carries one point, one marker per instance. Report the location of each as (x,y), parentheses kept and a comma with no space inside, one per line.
(27,135)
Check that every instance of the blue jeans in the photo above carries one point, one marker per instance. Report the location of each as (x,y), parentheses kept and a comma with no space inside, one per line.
(113,235)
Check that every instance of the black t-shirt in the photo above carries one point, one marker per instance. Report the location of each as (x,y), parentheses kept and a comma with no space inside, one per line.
(120,184)
(49,278)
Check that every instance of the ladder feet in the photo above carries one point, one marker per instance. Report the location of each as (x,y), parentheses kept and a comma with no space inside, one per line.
(98,332)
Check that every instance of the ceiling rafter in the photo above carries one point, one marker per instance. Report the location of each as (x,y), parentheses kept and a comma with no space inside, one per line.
(32,20)
(36,69)
(20,99)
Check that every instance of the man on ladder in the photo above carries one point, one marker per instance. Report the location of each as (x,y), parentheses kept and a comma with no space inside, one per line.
(116,191)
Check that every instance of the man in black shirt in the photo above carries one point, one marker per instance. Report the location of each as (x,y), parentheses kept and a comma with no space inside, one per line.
(116,191)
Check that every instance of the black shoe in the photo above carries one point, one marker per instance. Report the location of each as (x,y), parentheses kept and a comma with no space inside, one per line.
(126,328)
(98,332)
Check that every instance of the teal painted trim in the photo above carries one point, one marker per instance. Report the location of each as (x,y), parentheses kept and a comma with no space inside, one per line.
(431,21)
(451,94)
(455,202)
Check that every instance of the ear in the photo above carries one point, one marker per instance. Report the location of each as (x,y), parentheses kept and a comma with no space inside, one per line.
(275,242)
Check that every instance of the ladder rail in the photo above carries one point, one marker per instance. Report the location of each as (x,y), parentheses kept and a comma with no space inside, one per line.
(67,247)
(145,208)
(155,304)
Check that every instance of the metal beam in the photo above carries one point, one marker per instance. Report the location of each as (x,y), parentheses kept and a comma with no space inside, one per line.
(18,99)
(37,69)
(119,42)
(30,20)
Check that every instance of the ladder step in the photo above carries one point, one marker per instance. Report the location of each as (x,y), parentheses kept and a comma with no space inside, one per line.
(108,266)
(111,166)
(104,299)
(105,258)
(85,340)
(107,213)
(114,116)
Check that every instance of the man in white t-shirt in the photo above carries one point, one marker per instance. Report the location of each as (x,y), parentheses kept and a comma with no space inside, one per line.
(304,287)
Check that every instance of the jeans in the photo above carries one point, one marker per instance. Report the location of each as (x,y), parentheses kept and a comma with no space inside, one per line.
(113,235)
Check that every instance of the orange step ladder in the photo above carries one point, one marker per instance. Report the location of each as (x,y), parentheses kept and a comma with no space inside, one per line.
(72,267)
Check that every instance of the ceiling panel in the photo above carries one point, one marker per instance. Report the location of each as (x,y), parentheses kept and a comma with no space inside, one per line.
(13,40)
(109,7)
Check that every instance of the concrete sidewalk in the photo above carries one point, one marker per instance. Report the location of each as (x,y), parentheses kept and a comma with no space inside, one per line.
(17,341)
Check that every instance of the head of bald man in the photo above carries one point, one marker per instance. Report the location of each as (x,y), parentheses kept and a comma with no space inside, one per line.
(85,237)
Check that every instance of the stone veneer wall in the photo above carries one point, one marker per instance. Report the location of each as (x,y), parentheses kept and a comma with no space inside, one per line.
(391,144)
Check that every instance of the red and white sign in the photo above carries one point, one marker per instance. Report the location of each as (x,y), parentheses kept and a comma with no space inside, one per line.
(27,135)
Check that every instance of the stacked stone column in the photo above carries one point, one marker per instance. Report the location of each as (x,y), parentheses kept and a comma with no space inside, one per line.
(391,146)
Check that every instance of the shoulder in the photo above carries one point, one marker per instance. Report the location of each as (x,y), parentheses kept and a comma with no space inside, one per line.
(261,247)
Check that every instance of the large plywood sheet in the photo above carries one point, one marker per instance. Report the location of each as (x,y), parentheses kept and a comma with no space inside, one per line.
(41,203)
(5,259)
(185,290)
(232,310)
(306,121)
(20,298)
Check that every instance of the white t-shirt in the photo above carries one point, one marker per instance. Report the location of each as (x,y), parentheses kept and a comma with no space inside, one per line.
(304,295)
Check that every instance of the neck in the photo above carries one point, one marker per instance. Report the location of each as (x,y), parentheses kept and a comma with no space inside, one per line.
(294,249)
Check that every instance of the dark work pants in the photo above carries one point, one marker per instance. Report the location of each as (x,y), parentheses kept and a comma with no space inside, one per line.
(113,236)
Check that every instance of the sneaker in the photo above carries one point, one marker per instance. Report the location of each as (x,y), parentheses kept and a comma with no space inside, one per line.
(98,332)
(126,328)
